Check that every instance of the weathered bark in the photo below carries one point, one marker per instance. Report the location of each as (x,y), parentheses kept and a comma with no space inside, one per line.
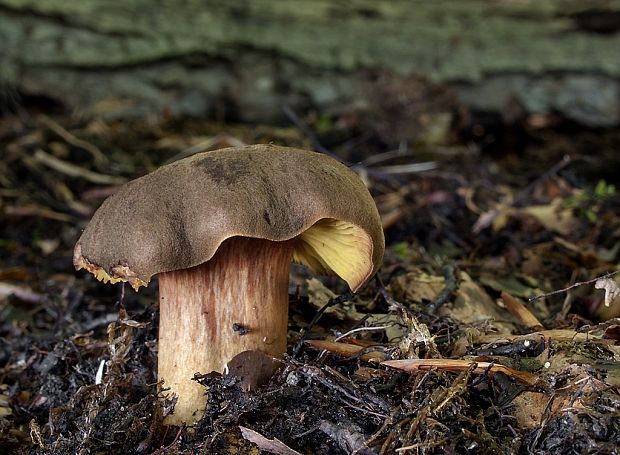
(248,59)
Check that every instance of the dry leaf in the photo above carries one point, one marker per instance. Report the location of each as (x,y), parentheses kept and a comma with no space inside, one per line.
(518,309)
(530,407)
(553,216)
(319,294)
(417,286)
(474,306)
(612,290)
(269,445)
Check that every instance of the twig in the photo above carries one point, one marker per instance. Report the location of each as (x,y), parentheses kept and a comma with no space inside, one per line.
(371,440)
(572,286)
(558,335)
(487,218)
(330,303)
(301,126)
(386,156)
(305,433)
(174,441)
(385,172)
(543,423)
(409,168)
(96,153)
(209,144)
(553,170)
(39,212)
(391,301)
(75,171)
(415,365)
(329,378)
(450,287)
(22,293)
(359,329)
(368,354)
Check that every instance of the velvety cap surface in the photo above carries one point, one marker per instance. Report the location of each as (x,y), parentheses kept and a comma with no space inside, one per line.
(177,216)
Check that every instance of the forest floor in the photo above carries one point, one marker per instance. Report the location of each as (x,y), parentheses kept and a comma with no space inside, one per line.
(447,350)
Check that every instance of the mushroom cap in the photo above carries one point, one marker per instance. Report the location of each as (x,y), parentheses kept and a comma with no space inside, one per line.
(177,216)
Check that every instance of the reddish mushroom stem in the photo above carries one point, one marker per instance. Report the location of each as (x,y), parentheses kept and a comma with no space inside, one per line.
(235,302)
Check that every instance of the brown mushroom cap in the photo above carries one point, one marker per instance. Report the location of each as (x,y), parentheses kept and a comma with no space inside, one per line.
(177,216)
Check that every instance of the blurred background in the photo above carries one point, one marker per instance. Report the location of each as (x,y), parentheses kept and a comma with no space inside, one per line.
(412,71)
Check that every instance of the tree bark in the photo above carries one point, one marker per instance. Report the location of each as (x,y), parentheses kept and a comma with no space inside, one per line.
(247,59)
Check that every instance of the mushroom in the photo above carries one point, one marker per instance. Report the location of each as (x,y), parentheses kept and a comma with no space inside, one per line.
(220,229)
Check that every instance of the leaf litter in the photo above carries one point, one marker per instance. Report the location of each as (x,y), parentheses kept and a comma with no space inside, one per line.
(445,351)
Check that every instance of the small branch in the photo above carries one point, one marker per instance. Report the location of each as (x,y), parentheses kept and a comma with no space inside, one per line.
(455,365)
(98,156)
(558,335)
(391,301)
(507,202)
(21,292)
(552,171)
(450,287)
(306,131)
(163,450)
(384,172)
(72,170)
(38,212)
(219,141)
(573,286)
(367,354)
(330,303)
(409,168)
(359,329)
(371,440)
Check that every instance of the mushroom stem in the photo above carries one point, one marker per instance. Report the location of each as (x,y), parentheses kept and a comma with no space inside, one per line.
(235,302)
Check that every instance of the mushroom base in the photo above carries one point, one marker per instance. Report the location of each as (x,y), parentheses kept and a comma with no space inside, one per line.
(235,302)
